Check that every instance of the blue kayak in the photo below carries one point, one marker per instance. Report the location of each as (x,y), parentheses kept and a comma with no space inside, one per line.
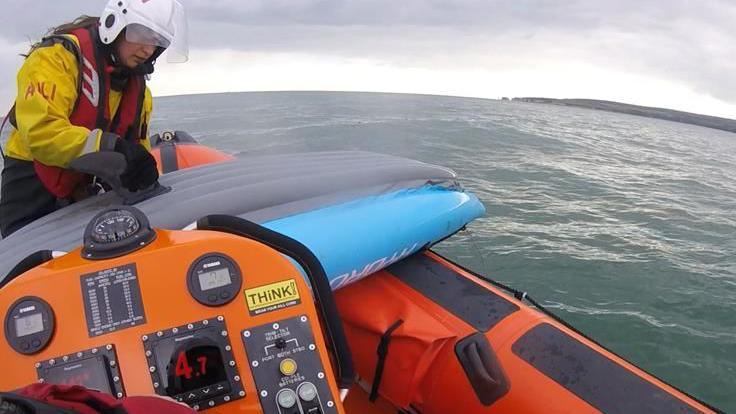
(357,211)
(357,238)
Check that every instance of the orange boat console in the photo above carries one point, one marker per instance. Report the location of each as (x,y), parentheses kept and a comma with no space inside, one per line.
(208,318)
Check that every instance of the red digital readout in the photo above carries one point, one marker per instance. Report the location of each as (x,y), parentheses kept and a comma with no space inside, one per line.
(183,369)
(81,378)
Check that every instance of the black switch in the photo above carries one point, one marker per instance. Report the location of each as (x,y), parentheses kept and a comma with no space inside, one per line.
(280,343)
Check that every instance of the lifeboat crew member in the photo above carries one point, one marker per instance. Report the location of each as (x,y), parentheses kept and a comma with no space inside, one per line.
(82,89)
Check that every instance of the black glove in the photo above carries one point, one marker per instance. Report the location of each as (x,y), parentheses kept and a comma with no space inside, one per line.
(141,171)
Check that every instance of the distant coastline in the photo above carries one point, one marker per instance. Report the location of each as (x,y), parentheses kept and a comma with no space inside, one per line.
(714,122)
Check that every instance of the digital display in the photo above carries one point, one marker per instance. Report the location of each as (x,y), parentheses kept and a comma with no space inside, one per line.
(194,366)
(214,279)
(91,373)
(29,325)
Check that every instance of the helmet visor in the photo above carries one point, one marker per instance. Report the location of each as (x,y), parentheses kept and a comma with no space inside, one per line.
(166,29)
(138,33)
(178,52)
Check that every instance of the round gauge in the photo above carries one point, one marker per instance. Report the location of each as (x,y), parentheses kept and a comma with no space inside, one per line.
(29,325)
(114,226)
(115,232)
(214,279)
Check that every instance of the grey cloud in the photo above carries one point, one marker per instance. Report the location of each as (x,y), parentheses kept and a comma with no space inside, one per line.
(679,40)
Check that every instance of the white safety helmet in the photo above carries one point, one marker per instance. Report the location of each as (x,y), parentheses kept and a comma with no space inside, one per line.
(161,23)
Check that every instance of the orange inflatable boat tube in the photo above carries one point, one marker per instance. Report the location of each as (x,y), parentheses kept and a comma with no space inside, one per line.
(429,337)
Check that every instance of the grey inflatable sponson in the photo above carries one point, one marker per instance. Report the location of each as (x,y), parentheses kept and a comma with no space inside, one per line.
(256,187)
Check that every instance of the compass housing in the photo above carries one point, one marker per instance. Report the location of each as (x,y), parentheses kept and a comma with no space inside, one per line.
(115,232)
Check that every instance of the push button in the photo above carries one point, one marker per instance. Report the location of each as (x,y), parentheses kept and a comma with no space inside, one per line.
(287,367)
(25,345)
(36,343)
(222,388)
(286,398)
(307,391)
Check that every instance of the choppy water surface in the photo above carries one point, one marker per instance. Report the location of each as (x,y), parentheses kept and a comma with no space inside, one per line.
(624,225)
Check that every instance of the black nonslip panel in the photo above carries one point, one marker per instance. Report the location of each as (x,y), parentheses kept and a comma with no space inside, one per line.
(602,383)
(169,161)
(469,301)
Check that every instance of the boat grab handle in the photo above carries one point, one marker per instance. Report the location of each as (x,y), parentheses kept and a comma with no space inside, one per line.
(482,368)
(317,277)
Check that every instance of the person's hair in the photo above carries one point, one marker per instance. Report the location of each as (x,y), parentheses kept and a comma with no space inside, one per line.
(7,407)
(80,22)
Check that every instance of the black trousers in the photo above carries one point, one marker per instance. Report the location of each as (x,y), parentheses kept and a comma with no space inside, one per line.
(23,198)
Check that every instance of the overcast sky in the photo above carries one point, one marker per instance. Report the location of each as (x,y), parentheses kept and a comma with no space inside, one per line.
(672,53)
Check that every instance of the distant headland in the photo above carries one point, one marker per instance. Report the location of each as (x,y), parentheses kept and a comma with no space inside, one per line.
(714,122)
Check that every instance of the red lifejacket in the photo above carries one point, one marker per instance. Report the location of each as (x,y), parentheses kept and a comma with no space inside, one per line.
(92,108)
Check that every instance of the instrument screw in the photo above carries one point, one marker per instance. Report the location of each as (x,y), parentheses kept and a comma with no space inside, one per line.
(220,318)
(228,348)
(232,363)
(79,354)
(175,330)
(159,334)
(148,353)
(223,333)
(275,326)
(312,347)
(95,350)
(241,393)
(255,364)
(144,338)
(236,378)
(303,319)
(264,393)
(156,385)
(246,334)
(52,361)
(108,347)
(116,379)
(212,403)
(205,322)
(41,380)
(320,375)
(226,398)
(190,326)
(112,363)
(65,358)
(38,365)
(152,369)
(120,395)
(196,407)
(330,403)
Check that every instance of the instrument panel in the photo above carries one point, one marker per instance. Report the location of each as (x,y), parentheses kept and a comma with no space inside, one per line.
(210,319)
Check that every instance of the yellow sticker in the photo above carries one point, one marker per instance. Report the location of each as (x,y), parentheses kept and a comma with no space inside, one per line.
(272,297)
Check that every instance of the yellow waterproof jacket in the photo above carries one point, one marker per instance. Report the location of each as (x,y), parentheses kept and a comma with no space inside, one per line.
(47,93)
